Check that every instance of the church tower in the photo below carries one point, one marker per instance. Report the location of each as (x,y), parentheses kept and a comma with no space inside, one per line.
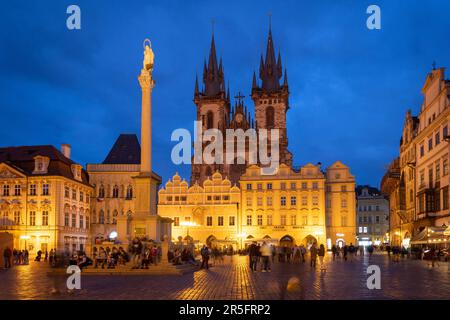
(213,109)
(271,99)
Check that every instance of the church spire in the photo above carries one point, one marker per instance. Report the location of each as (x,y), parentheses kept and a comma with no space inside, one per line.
(196,91)
(213,76)
(285,81)
(270,69)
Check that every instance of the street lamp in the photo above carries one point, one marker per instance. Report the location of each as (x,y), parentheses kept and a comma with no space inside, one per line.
(241,236)
(188,224)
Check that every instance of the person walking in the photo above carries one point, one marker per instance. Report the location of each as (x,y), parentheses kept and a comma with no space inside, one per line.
(7,253)
(205,257)
(334,251)
(345,252)
(46,256)
(266,252)
(351,251)
(321,254)
(313,253)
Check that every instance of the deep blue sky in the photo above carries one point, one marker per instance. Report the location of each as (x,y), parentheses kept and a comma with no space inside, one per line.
(350,87)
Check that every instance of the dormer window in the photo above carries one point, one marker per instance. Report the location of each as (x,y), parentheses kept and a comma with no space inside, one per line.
(76,171)
(41,165)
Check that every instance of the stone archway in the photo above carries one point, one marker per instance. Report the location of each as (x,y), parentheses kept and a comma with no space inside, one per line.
(210,241)
(287,241)
(309,240)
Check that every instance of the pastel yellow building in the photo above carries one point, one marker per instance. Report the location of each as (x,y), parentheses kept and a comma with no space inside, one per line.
(44,199)
(286,208)
(340,205)
(207,214)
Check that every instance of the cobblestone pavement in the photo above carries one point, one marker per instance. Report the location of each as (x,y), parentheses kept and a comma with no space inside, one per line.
(408,279)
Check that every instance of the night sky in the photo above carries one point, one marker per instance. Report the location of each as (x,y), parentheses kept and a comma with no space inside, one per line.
(350,86)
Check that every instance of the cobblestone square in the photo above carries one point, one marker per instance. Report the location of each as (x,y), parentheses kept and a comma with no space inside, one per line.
(232,279)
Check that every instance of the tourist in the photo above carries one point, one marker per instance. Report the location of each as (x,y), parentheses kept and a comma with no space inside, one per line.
(321,254)
(46,256)
(253,256)
(205,257)
(25,257)
(155,255)
(7,253)
(266,252)
(345,252)
(334,251)
(303,252)
(274,252)
(351,251)
(388,249)
(38,257)
(313,253)
(370,250)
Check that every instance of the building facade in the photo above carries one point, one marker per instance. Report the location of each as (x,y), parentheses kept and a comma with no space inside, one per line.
(418,181)
(206,214)
(44,199)
(340,205)
(372,216)
(287,208)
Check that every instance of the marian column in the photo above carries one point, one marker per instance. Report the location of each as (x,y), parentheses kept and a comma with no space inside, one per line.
(147,83)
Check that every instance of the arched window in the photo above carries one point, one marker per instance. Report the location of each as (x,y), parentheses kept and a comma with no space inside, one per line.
(209,120)
(94,216)
(270,117)
(115,192)
(101,217)
(129,192)
(101,192)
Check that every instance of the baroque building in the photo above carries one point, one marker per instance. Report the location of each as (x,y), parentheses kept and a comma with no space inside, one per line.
(44,199)
(419,197)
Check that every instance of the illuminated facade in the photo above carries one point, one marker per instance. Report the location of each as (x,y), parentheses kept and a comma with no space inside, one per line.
(44,199)
(340,205)
(208,213)
(286,208)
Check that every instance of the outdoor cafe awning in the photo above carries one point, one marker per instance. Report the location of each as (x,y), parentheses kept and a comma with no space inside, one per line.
(432,235)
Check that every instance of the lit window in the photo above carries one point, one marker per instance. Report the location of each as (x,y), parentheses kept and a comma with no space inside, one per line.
(249,220)
(17,190)
(293,201)
(176,221)
(32,218)
(269,219)
(6,190)
(32,190)
(45,218)
(269,201)
(260,220)
(45,189)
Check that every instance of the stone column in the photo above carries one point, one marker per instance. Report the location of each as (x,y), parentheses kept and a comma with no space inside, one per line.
(146,82)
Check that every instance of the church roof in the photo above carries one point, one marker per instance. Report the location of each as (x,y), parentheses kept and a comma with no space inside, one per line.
(126,150)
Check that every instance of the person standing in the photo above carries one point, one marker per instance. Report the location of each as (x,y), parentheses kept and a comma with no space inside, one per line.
(266,252)
(252,255)
(321,254)
(313,253)
(7,253)
(46,256)
(205,257)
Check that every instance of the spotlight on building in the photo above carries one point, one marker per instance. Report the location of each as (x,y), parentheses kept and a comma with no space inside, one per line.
(113,235)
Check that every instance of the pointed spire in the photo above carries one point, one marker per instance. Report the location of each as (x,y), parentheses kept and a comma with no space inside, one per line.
(213,74)
(228,92)
(279,66)
(196,86)
(254,84)
(270,70)
(285,82)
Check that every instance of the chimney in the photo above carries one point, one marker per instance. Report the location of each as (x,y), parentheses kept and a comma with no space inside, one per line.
(66,150)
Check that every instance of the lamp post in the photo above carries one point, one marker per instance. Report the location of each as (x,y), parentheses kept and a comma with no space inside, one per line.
(188,224)
(241,236)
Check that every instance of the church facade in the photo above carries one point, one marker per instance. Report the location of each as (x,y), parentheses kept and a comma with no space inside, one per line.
(233,204)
